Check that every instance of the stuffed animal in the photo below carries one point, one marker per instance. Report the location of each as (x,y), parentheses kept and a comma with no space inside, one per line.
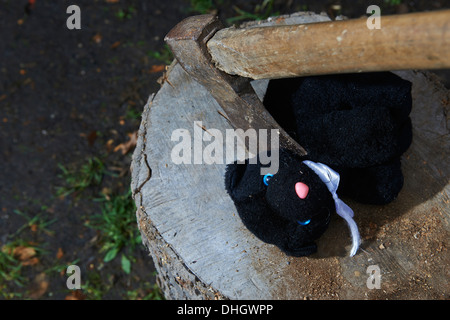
(354,127)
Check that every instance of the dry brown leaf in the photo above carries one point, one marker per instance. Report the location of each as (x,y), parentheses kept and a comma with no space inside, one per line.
(157,68)
(109,145)
(115,45)
(97,38)
(75,295)
(106,193)
(22,253)
(59,254)
(91,137)
(31,262)
(39,286)
(112,1)
(129,145)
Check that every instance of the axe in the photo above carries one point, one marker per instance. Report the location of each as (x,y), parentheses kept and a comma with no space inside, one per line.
(225,60)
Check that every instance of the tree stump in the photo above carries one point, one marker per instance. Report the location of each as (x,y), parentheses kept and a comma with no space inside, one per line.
(202,250)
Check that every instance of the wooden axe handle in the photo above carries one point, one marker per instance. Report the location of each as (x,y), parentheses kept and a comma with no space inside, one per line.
(410,41)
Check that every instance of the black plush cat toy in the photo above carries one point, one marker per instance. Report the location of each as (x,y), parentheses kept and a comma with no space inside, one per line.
(354,127)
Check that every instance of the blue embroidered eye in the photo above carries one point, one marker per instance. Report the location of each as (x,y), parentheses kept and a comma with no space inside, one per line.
(266,178)
(304,223)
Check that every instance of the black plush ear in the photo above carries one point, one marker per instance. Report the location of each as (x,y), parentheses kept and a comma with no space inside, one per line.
(244,180)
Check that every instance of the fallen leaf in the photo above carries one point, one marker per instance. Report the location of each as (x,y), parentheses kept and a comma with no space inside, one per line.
(129,145)
(50,210)
(157,68)
(106,192)
(97,38)
(109,145)
(59,254)
(91,137)
(39,286)
(75,295)
(22,253)
(115,45)
(112,1)
(31,262)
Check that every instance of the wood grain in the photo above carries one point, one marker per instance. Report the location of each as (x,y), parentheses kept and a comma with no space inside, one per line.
(410,41)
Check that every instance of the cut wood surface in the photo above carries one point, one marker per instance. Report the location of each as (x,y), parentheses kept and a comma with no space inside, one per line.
(409,41)
(202,250)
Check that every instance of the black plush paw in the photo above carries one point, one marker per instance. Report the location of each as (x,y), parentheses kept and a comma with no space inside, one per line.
(290,208)
(379,184)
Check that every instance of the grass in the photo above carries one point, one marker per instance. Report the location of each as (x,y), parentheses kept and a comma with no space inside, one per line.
(10,268)
(76,180)
(133,114)
(393,2)
(125,14)
(14,256)
(146,292)
(164,55)
(204,6)
(261,12)
(36,223)
(118,235)
(20,258)
(118,228)
(96,287)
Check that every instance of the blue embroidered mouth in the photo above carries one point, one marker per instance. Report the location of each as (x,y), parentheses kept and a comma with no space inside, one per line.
(304,223)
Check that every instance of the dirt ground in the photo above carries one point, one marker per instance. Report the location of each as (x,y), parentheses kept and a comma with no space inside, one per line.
(67,96)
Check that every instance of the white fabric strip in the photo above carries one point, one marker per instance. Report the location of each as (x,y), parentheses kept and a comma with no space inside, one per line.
(331,179)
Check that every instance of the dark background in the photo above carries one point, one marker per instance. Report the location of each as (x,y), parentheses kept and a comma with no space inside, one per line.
(67,96)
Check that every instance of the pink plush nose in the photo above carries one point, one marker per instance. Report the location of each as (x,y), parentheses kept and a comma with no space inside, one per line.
(301,189)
